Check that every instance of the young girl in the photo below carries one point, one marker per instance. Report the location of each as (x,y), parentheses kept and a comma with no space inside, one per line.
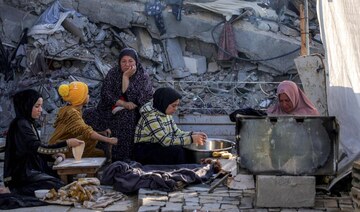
(25,166)
(69,122)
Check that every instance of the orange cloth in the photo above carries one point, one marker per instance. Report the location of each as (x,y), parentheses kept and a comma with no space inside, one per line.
(76,92)
(70,124)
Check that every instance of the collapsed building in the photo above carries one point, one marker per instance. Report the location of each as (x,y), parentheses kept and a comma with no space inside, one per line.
(220,55)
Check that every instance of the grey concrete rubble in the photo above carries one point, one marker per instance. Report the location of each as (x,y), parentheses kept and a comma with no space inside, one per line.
(83,44)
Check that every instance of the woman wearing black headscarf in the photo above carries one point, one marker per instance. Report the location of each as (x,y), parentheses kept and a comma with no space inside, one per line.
(125,89)
(158,140)
(25,166)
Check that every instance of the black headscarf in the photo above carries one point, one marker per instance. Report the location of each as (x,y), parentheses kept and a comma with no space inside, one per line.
(24,102)
(163,97)
(129,52)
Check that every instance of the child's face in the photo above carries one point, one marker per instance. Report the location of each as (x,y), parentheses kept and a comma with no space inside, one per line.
(37,109)
(171,109)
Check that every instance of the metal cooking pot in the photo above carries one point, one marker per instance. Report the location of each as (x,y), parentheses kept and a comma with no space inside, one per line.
(194,152)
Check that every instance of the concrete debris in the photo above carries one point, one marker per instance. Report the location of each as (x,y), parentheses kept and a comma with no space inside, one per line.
(80,40)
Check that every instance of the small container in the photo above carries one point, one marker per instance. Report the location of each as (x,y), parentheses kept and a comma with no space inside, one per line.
(41,193)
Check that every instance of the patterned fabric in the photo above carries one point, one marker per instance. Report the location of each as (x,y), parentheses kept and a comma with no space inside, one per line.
(70,124)
(123,123)
(156,127)
(155,10)
(47,151)
(227,42)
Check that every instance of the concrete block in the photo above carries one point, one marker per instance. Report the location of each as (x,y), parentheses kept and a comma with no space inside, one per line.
(213,67)
(174,53)
(285,191)
(242,182)
(196,64)
(149,209)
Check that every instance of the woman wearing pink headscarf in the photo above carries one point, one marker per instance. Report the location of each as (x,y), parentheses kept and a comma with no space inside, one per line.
(292,101)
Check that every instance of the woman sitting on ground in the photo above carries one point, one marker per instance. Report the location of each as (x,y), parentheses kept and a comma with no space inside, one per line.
(25,165)
(292,101)
(70,124)
(158,140)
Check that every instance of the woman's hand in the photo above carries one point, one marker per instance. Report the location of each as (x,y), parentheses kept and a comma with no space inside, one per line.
(59,157)
(198,138)
(129,105)
(73,142)
(56,155)
(200,133)
(112,140)
(130,71)
(106,133)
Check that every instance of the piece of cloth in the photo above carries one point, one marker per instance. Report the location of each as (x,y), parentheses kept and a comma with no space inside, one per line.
(123,123)
(176,11)
(85,192)
(12,201)
(70,124)
(156,127)
(75,93)
(163,97)
(302,105)
(130,177)
(155,9)
(176,7)
(246,112)
(227,43)
(25,164)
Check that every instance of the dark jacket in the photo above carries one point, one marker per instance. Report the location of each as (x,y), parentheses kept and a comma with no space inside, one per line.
(26,158)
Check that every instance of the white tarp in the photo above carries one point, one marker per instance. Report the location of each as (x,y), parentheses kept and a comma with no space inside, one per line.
(228,8)
(340,30)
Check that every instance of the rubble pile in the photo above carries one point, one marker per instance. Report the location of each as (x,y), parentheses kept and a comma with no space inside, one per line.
(219,57)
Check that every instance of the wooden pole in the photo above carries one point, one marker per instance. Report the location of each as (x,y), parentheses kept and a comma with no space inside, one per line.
(303,50)
(307,42)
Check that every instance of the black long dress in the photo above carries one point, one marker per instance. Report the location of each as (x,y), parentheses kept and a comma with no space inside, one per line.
(25,165)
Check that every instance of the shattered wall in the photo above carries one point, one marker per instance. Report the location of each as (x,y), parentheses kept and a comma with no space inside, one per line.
(179,43)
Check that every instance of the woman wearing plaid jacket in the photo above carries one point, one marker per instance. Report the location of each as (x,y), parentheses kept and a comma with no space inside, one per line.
(158,140)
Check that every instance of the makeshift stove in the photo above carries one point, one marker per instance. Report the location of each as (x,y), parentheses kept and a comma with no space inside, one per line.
(287,145)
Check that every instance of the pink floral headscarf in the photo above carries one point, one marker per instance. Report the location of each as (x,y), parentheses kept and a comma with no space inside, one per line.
(302,105)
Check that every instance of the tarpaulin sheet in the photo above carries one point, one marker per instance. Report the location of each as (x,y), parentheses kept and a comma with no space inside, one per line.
(340,30)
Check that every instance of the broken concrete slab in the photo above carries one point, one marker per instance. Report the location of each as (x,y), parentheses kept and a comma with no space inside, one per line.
(196,64)
(144,44)
(174,53)
(285,191)
(14,21)
(312,72)
(255,44)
